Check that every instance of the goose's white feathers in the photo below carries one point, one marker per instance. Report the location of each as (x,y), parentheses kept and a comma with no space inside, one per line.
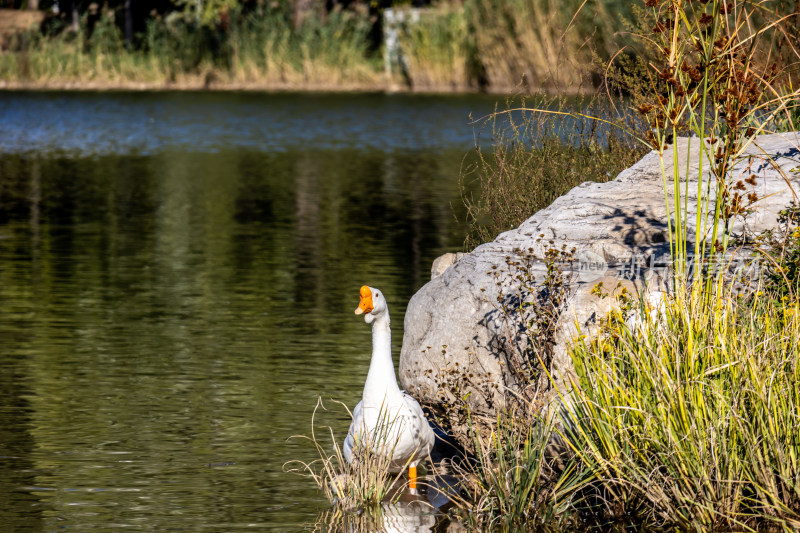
(404,432)
(388,419)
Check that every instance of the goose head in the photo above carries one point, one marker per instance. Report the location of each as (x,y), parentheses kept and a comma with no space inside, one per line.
(372,304)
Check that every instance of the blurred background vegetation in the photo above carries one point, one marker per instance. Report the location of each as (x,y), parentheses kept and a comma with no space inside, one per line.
(447,45)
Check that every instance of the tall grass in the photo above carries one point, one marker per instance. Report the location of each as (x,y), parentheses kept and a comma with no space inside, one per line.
(695,418)
(708,69)
(335,52)
(505,46)
(525,160)
(258,47)
(691,419)
(516,472)
(714,76)
(437,51)
(67,59)
(528,40)
(517,476)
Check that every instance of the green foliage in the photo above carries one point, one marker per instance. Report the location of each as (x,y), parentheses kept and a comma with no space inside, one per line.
(527,42)
(479,43)
(207,13)
(529,303)
(334,51)
(495,44)
(531,289)
(258,46)
(519,473)
(687,418)
(503,45)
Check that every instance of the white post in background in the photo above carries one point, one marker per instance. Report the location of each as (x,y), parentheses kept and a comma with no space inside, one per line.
(393,21)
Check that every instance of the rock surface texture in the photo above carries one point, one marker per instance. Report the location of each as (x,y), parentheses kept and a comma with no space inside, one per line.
(456,331)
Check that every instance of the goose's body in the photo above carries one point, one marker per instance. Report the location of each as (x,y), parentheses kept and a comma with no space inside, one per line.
(391,420)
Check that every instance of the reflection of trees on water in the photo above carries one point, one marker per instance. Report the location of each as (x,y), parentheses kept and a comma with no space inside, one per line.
(17,470)
(327,220)
(354,211)
(309,234)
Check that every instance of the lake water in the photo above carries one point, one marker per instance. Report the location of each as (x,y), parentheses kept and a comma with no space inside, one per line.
(178,273)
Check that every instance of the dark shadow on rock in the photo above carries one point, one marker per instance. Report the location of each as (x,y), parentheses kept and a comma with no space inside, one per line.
(638,228)
(790,153)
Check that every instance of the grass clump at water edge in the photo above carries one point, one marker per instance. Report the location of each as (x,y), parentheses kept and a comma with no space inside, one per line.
(517,475)
(363,483)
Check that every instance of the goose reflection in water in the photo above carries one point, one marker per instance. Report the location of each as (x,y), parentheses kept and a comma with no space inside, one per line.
(410,511)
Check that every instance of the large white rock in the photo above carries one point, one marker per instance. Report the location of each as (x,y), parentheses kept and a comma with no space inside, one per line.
(457,335)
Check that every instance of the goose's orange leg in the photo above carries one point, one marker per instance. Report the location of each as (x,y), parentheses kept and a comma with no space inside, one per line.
(412,477)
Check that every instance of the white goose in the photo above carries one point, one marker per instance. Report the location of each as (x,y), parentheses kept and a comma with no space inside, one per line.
(385,411)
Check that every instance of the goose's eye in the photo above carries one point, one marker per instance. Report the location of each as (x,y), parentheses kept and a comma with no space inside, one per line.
(378,294)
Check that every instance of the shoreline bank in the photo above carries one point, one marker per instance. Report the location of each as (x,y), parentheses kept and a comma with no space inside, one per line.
(216,86)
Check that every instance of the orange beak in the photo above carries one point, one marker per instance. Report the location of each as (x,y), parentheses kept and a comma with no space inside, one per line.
(365,306)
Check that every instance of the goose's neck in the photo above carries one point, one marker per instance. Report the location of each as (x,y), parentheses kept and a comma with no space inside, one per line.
(381,383)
